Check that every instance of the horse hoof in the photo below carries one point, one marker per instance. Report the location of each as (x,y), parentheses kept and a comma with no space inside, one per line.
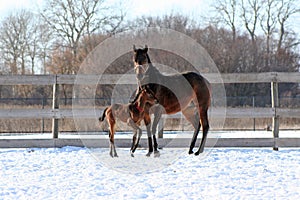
(156,154)
(132,155)
(191,152)
(197,153)
(148,154)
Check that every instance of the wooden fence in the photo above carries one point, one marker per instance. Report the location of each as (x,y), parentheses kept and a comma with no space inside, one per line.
(56,113)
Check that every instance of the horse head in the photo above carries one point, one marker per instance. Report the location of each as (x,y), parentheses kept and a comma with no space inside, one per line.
(140,59)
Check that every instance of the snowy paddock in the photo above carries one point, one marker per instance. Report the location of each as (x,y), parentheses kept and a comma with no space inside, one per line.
(82,173)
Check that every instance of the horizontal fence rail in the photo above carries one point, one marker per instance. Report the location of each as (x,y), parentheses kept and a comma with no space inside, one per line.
(163,142)
(267,77)
(90,113)
(57,113)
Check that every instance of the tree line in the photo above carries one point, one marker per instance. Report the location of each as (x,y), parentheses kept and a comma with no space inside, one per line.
(240,36)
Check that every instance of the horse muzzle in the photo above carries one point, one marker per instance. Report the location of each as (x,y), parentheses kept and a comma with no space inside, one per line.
(139,71)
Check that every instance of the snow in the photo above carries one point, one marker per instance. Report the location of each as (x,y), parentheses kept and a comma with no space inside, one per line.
(82,173)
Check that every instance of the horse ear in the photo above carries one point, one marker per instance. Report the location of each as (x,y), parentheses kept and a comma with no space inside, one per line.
(147,89)
(146,48)
(134,49)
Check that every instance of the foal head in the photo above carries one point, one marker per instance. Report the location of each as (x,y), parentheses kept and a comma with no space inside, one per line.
(144,97)
(140,58)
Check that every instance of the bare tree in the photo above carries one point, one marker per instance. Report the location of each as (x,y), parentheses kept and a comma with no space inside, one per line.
(15,39)
(72,20)
(33,45)
(250,16)
(286,9)
(227,9)
(176,22)
(10,36)
(268,25)
(45,44)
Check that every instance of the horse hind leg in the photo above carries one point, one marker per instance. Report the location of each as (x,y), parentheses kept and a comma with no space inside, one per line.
(113,152)
(194,139)
(191,114)
(205,128)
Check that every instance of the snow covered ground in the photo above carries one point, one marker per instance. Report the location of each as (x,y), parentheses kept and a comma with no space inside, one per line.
(81,173)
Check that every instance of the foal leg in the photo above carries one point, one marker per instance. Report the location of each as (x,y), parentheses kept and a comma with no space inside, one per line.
(136,136)
(112,122)
(205,125)
(136,144)
(134,139)
(111,144)
(113,152)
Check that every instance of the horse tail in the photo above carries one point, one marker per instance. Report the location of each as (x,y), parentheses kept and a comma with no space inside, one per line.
(103,115)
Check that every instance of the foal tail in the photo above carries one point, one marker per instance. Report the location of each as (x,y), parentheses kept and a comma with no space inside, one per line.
(103,115)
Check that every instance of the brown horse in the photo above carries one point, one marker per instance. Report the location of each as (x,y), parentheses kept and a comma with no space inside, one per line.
(176,92)
(132,114)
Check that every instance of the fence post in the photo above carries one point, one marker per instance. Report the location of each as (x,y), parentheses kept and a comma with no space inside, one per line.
(55,105)
(253,106)
(43,120)
(275,119)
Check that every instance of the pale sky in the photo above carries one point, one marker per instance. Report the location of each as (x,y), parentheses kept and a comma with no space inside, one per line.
(133,8)
(137,8)
(159,7)
(8,6)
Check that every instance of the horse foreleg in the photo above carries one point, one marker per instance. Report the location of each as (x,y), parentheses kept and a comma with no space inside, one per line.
(155,145)
(205,127)
(150,144)
(147,121)
(158,110)
(154,126)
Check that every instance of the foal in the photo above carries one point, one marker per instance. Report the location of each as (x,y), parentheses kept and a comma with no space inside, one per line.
(132,114)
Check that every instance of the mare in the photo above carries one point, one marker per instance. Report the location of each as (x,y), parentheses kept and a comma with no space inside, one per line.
(176,92)
(132,114)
